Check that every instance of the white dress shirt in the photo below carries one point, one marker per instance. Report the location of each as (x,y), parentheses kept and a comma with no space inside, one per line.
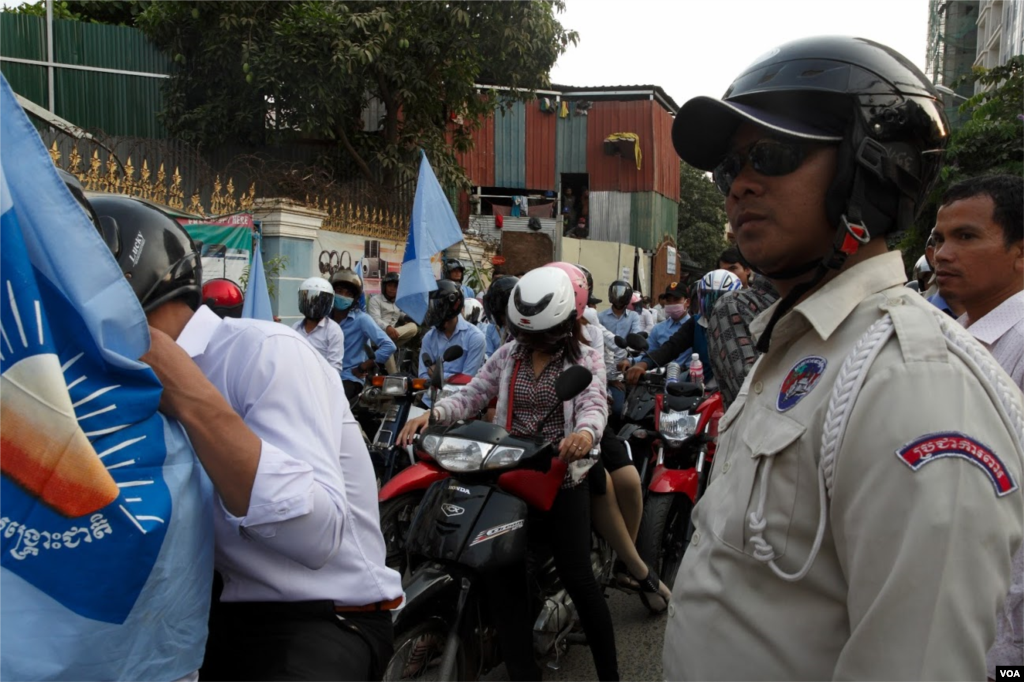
(1002,333)
(327,338)
(384,312)
(312,530)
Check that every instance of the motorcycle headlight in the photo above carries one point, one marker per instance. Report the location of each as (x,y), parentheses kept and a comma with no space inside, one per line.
(502,457)
(459,454)
(677,426)
(395,386)
(429,444)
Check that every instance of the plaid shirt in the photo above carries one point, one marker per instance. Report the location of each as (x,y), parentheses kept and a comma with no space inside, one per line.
(730,345)
(533,399)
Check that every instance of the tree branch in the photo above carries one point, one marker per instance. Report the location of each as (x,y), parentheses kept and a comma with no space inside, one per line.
(347,144)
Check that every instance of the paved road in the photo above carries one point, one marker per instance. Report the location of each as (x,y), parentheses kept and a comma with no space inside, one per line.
(638,635)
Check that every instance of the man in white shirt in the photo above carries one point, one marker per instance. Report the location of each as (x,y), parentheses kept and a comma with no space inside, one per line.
(306,595)
(385,312)
(979,265)
(316,298)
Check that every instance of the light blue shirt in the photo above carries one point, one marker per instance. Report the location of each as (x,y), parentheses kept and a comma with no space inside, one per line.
(466,335)
(629,323)
(661,333)
(360,328)
(467,292)
(493,337)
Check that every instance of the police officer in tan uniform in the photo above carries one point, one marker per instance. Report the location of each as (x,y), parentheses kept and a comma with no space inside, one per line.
(864,504)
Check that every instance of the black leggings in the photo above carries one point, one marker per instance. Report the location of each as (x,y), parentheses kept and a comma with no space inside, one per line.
(567,528)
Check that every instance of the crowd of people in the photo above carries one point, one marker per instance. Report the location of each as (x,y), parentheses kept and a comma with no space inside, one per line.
(864,517)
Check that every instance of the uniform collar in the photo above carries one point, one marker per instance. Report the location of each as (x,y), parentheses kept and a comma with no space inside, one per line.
(827,307)
(196,335)
(998,321)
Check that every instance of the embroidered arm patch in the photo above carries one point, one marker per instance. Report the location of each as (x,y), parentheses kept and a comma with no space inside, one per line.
(933,446)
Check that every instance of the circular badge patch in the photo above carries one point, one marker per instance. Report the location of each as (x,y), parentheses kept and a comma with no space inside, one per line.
(800,380)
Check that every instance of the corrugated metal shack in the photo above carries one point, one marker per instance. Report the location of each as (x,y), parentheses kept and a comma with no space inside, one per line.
(555,151)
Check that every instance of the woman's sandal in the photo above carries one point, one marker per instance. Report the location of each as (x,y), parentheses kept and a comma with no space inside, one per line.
(623,578)
(650,595)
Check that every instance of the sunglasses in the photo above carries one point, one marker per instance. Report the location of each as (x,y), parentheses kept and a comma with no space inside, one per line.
(767,157)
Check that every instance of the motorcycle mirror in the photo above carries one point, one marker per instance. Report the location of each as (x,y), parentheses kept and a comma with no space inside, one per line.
(620,342)
(637,342)
(452,353)
(572,381)
(684,389)
(427,360)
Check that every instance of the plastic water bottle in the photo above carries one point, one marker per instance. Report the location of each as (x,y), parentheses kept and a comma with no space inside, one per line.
(696,370)
(672,372)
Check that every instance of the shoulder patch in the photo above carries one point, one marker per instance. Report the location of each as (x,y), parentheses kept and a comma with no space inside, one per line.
(933,446)
(800,380)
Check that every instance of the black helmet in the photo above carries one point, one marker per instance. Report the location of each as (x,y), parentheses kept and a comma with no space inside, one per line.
(591,300)
(450,265)
(106,228)
(445,303)
(620,294)
(885,114)
(156,254)
(496,299)
(389,277)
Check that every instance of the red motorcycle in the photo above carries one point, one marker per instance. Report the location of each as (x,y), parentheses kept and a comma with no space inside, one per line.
(686,423)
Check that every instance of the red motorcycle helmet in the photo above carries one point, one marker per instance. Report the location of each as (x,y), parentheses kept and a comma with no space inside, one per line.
(223,297)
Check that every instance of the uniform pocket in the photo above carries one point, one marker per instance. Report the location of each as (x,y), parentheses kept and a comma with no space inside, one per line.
(766,435)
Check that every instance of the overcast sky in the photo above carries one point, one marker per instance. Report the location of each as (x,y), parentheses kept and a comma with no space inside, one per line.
(696,47)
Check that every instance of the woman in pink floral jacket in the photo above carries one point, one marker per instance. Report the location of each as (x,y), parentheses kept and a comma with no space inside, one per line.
(521,375)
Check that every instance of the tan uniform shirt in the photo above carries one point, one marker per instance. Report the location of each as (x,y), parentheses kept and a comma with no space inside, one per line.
(914,564)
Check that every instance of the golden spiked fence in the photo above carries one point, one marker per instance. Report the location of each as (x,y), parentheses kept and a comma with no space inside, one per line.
(342,216)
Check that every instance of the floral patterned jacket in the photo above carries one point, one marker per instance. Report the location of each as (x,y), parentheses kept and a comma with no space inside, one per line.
(586,412)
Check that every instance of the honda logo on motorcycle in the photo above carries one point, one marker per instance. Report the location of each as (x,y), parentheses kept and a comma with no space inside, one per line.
(452,510)
(492,533)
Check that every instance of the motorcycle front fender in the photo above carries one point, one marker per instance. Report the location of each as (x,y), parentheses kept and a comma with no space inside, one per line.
(417,477)
(682,481)
(432,591)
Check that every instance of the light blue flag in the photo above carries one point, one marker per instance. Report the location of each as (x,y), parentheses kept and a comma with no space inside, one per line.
(106,538)
(433,229)
(257,298)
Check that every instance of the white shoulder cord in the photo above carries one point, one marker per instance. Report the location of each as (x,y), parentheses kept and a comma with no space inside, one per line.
(851,378)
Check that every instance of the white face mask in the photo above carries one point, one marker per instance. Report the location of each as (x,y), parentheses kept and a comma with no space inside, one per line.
(676,311)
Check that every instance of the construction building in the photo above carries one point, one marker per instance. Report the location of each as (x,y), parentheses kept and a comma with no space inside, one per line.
(952,48)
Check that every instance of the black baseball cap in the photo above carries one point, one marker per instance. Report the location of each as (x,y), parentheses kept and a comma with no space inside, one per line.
(675,290)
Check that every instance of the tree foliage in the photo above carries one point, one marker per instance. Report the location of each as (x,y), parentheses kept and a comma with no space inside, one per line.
(265,72)
(990,141)
(702,219)
(116,12)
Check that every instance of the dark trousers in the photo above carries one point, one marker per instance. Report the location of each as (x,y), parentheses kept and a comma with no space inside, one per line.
(567,528)
(295,641)
(352,389)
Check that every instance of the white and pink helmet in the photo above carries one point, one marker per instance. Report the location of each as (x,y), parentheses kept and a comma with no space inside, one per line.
(578,279)
(542,300)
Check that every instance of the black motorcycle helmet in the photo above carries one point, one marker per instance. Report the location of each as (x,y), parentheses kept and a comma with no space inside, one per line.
(445,303)
(106,228)
(450,265)
(496,299)
(882,113)
(591,300)
(620,294)
(389,278)
(156,254)
(885,114)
